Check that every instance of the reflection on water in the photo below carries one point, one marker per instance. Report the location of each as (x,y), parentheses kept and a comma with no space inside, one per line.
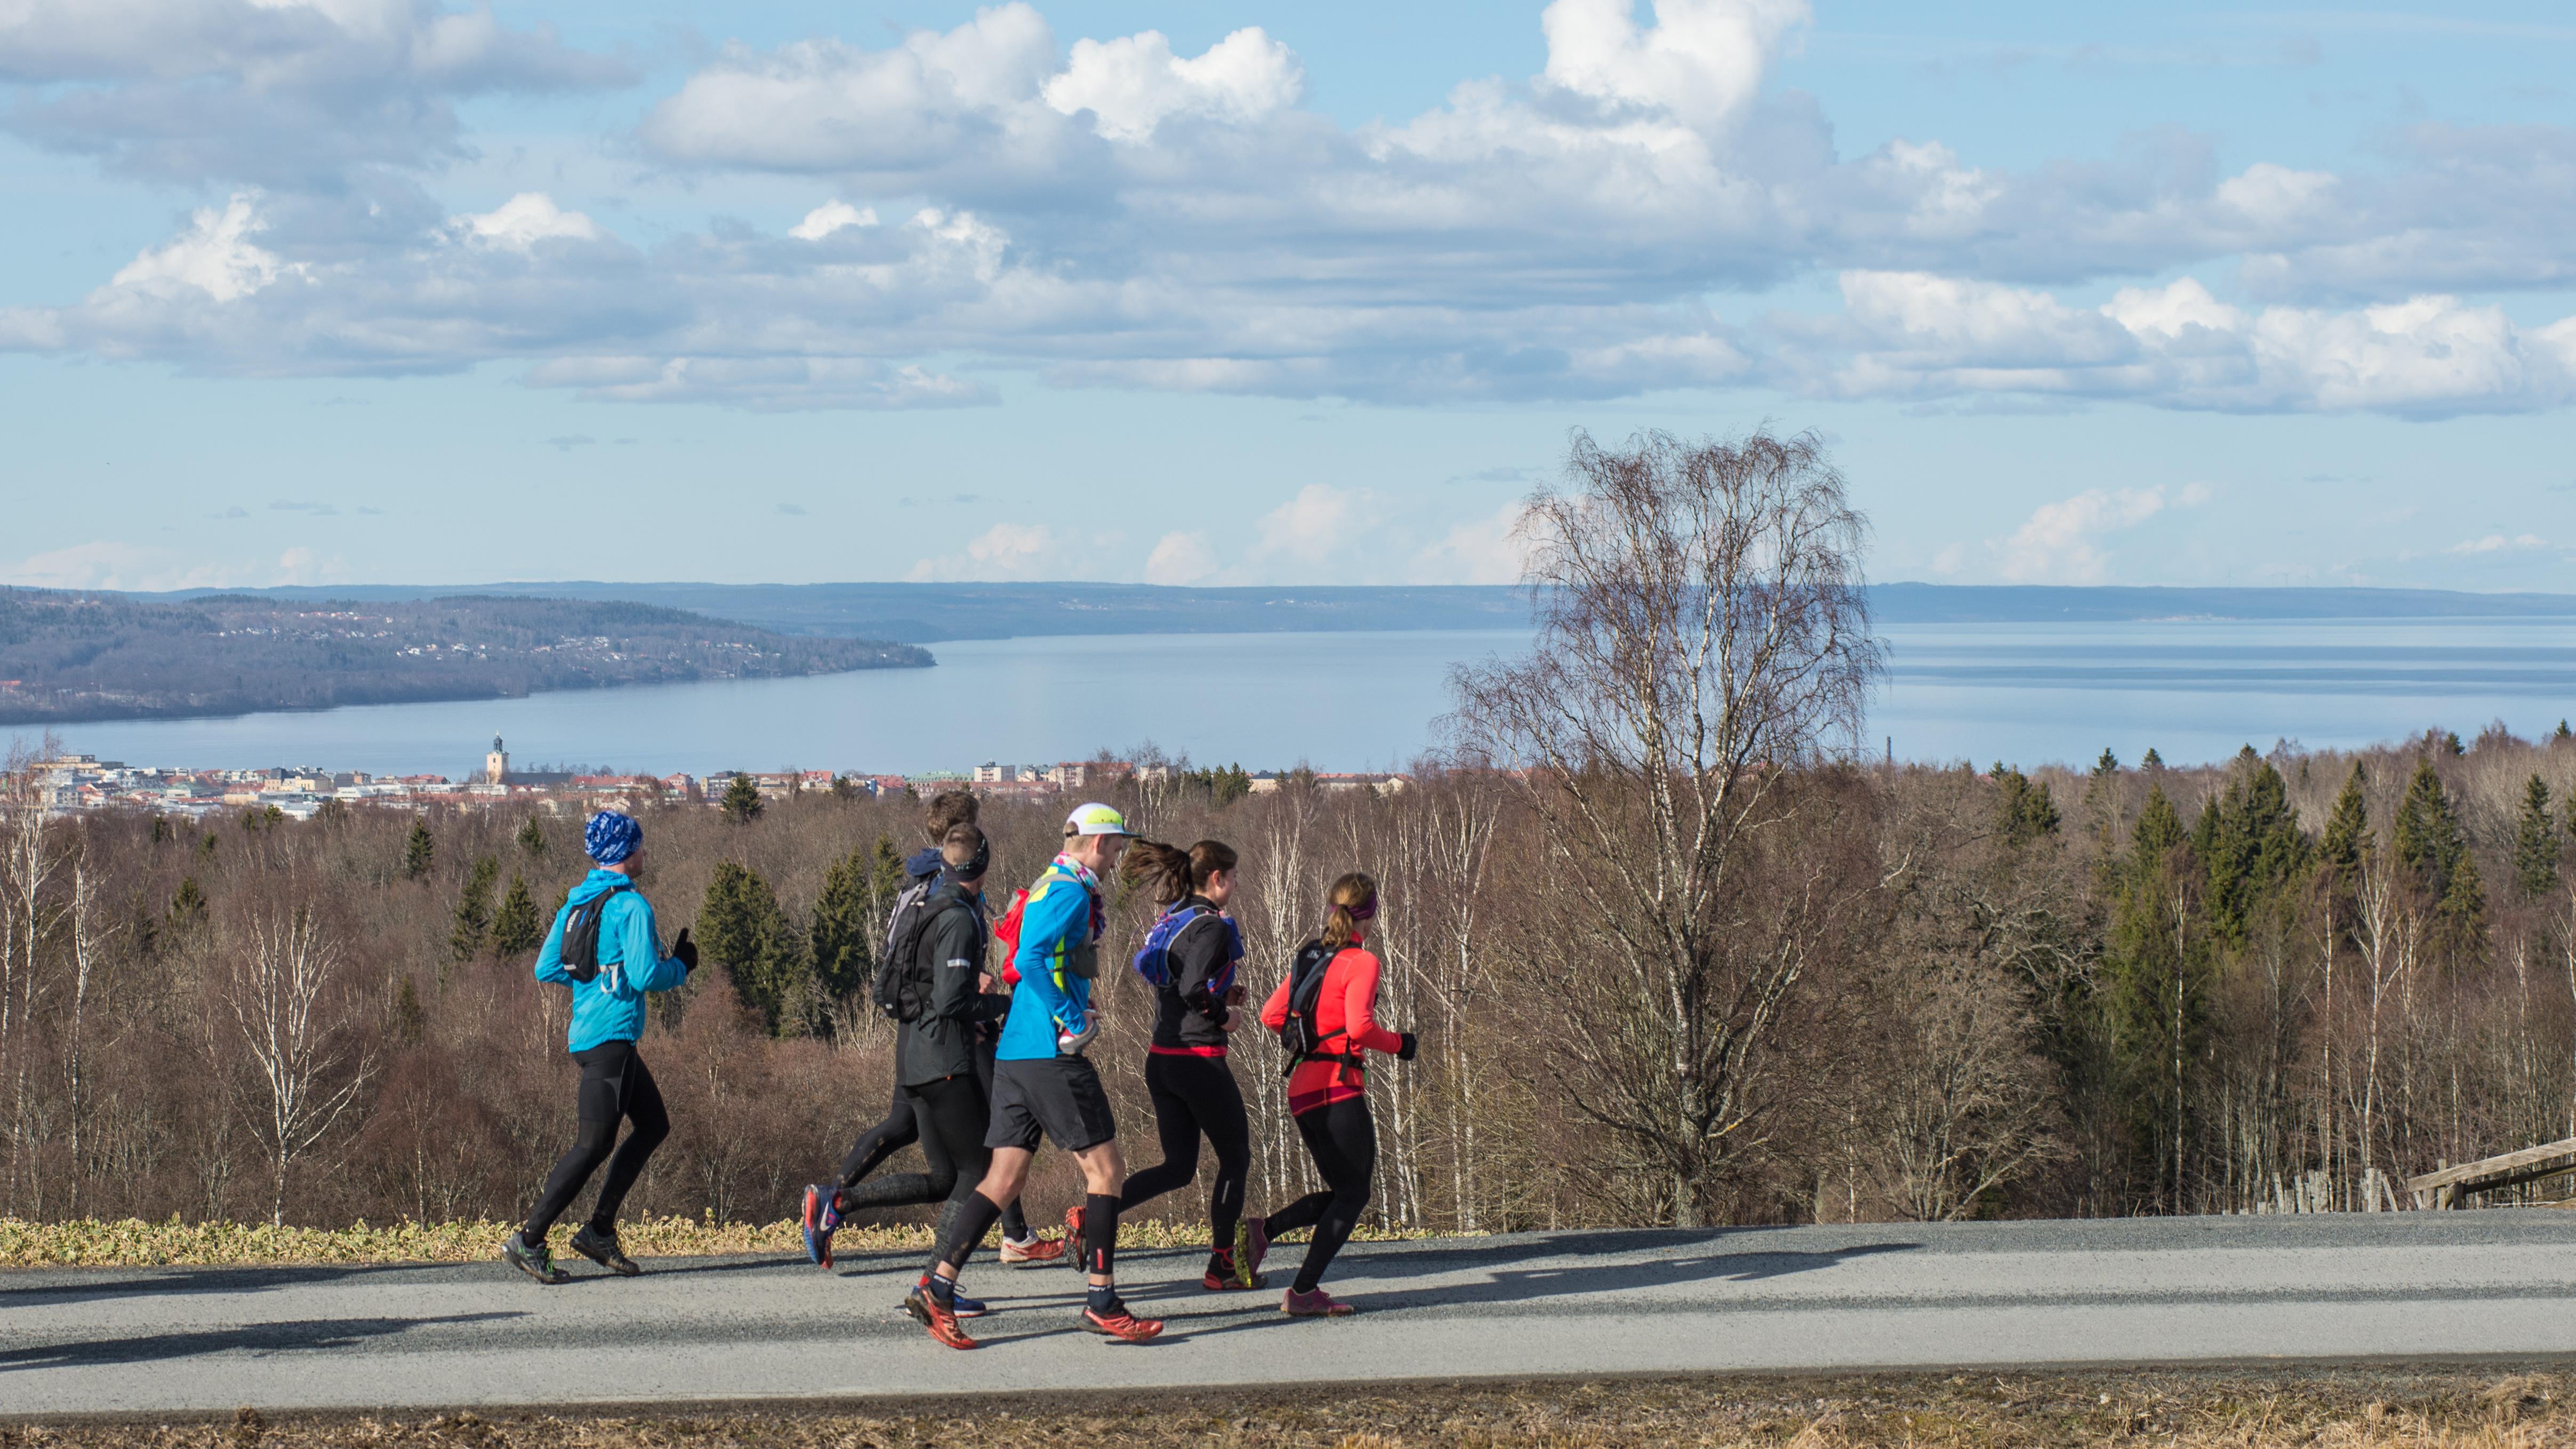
(2024,693)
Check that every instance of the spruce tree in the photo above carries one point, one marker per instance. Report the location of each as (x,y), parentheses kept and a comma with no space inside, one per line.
(419,852)
(2155,964)
(473,911)
(188,905)
(516,930)
(2249,841)
(2152,761)
(532,837)
(2535,843)
(741,927)
(2347,827)
(742,802)
(843,933)
(2023,810)
(2426,834)
(885,877)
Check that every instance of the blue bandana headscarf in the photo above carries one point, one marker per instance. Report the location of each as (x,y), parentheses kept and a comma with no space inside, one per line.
(611,837)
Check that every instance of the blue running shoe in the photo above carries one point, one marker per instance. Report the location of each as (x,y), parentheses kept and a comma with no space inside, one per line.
(959,1304)
(822,1215)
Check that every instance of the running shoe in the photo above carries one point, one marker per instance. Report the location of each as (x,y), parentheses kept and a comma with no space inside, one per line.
(1251,1245)
(1017,1254)
(536,1261)
(602,1248)
(1116,1322)
(822,1215)
(1221,1275)
(1318,1304)
(940,1318)
(958,1303)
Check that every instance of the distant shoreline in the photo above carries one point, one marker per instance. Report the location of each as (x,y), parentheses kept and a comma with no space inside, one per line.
(938,613)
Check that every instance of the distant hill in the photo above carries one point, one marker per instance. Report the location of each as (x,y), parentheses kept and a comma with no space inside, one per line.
(87,656)
(928,613)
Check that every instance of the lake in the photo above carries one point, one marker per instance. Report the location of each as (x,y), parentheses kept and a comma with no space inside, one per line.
(2023,693)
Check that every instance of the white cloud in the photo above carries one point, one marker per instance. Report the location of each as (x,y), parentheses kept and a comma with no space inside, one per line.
(1181,558)
(1132,84)
(111,564)
(525,220)
(1478,551)
(1004,551)
(215,256)
(1321,525)
(1702,61)
(2498,543)
(2062,542)
(830,217)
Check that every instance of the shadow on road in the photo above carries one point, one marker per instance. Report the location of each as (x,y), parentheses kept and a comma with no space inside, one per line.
(167,1282)
(319,1333)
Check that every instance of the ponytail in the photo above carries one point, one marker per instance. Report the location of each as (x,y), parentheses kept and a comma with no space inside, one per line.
(1169,873)
(1352,900)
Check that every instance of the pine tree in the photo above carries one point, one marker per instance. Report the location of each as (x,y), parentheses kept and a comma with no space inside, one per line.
(742,800)
(741,928)
(419,852)
(516,930)
(2023,810)
(843,934)
(2535,843)
(188,905)
(532,837)
(473,911)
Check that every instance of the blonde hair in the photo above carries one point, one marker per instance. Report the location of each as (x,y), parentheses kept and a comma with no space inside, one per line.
(1352,900)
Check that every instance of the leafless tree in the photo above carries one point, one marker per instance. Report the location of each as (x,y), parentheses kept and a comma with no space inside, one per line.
(1703,638)
(292,1011)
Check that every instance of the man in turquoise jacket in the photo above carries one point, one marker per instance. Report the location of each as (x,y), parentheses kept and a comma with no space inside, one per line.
(607,1017)
(1043,1086)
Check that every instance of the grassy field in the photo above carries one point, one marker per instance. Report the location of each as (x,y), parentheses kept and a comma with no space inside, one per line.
(87,1243)
(2338,1409)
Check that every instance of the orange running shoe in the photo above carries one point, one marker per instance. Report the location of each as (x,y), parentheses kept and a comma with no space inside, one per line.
(1036,1250)
(938,1317)
(1318,1304)
(1116,1322)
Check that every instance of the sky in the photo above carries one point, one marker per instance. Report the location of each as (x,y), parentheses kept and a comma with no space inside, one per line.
(1208,292)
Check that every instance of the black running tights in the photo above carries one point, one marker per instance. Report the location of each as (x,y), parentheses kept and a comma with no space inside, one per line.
(1195,1095)
(1343,1141)
(952,1114)
(900,1129)
(614,1085)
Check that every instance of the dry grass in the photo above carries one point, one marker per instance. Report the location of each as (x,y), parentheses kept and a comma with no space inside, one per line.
(88,1243)
(2335,1409)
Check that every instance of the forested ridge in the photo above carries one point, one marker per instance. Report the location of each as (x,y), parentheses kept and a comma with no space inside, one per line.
(2133,990)
(84,656)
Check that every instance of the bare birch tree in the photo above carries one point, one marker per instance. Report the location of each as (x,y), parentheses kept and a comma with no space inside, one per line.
(1703,641)
(292,1012)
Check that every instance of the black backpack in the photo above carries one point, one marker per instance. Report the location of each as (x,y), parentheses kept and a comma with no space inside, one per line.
(1303,1038)
(580,949)
(902,990)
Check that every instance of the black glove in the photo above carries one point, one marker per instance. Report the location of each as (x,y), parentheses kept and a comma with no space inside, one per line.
(685,951)
(1412,1044)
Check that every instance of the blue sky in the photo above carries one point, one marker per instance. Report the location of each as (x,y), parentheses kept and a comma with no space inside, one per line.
(406,291)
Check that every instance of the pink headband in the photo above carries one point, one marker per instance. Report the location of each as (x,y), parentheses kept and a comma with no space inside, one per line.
(1364,913)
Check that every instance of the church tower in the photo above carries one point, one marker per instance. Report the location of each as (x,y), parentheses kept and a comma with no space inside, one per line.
(496,765)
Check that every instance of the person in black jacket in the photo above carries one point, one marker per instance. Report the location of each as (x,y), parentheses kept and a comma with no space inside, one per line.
(1195,1012)
(940,1055)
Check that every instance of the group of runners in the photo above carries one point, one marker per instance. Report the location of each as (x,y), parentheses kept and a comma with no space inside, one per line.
(991,1058)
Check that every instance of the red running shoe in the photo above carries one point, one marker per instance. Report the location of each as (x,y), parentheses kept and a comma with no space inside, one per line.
(1120,1324)
(938,1317)
(1034,1251)
(1318,1304)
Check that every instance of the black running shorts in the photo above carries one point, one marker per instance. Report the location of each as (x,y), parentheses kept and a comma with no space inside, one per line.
(1060,1099)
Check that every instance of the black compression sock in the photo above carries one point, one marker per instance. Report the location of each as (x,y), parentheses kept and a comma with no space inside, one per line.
(962,1225)
(1103,1297)
(1099,1233)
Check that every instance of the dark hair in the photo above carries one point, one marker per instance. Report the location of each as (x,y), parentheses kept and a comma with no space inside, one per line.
(961,844)
(1352,899)
(1170,873)
(948,809)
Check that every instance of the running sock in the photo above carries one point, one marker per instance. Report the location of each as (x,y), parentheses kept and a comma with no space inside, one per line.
(1099,1233)
(963,1224)
(1102,1298)
(1015,1224)
(943,1289)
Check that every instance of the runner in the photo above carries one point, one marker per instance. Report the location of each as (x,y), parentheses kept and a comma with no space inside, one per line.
(604,946)
(1043,1085)
(1190,957)
(1327,1013)
(827,1203)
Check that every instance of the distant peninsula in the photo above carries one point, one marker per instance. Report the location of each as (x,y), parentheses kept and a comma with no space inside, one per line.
(930,613)
(73,656)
